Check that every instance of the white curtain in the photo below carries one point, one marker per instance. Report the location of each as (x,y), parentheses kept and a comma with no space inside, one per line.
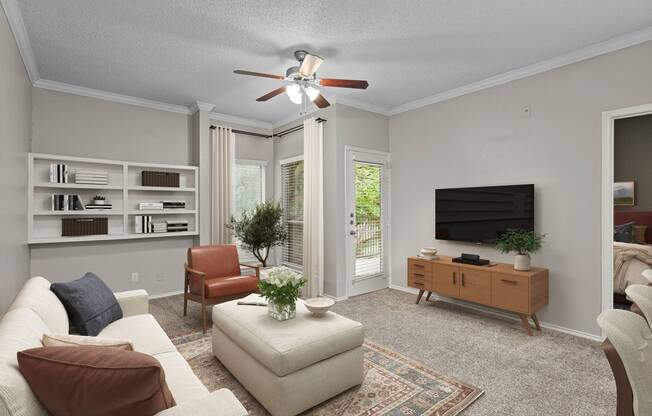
(222,174)
(313,208)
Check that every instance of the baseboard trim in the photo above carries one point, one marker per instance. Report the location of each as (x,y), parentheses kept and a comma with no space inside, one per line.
(501,314)
(335,298)
(166,294)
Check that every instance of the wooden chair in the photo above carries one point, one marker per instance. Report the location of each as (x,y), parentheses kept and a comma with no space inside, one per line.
(212,275)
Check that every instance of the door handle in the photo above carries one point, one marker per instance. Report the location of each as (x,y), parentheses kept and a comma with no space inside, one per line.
(453,278)
(462,279)
(353,232)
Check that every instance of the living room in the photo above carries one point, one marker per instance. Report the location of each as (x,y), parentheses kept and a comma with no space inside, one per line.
(500,95)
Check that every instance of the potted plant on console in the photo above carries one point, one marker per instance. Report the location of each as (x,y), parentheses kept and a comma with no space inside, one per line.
(281,289)
(523,242)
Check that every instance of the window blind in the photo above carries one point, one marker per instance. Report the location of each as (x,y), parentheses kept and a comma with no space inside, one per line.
(369,255)
(292,203)
(249,192)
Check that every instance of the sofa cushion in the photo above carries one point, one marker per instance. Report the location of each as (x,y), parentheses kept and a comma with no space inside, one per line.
(89,302)
(37,296)
(143,331)
(182,381)
(230,286)
(65,340)
(20,329)
(286,346)
(95,381)
(221,402)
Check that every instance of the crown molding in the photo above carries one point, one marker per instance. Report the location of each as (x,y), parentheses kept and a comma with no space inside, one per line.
(109,96)
(201,106)
(350,102)
(240,120)
(17,25)
(588,52)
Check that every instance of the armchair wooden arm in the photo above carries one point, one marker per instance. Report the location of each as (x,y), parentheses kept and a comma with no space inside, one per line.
(251,266)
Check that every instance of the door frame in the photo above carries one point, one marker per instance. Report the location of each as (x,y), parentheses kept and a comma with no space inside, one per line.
(608,120)
(348,155)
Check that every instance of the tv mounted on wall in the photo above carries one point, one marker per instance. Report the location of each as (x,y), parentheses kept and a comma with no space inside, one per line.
(482,214)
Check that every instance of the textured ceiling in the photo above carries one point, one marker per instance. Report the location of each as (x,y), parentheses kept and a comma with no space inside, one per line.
(182,51)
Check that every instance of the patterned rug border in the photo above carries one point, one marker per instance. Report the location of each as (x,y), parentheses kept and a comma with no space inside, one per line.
(454,410)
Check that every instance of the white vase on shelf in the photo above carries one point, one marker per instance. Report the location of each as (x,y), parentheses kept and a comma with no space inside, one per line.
(522,262)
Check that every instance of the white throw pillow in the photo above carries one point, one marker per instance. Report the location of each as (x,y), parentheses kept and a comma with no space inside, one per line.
(58,340)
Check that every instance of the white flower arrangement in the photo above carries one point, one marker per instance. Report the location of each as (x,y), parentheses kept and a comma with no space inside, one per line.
(282,286)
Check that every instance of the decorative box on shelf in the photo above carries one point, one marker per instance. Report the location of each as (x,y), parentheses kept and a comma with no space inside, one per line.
(164,179)
(74,227)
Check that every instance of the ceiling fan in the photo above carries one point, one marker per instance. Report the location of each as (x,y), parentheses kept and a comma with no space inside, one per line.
(302,83)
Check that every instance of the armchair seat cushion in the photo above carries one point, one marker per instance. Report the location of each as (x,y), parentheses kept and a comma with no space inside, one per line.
(229,286)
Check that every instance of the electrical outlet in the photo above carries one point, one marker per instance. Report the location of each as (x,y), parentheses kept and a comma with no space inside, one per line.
(527,111)
(134,277)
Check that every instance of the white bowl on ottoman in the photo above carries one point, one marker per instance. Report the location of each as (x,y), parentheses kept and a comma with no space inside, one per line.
(319,306)
(288,366)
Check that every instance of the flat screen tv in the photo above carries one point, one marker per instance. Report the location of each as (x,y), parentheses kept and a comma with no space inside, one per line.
(482,214)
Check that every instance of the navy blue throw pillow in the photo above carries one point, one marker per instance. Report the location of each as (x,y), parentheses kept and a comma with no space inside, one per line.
(624,233)
(90,304)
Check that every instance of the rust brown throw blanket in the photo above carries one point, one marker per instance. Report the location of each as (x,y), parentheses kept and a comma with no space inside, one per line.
(622,257)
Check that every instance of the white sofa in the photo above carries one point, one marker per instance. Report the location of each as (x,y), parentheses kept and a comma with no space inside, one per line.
(36,311)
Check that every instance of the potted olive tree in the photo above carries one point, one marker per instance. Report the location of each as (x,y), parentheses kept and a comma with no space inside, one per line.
(260,229)
(523,242)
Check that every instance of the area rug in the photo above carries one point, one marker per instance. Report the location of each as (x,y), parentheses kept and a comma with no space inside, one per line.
(393,384)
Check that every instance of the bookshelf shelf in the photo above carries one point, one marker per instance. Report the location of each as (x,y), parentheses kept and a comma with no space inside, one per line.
(76,186)
(110,237)
(160,189)
(124,192)
(93,213)
(163,212)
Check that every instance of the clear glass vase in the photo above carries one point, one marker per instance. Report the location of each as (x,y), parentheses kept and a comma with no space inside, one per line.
(282,312)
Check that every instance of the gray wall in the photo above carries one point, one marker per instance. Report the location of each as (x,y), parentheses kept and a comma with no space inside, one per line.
(484,139)
(633,158)
(80,126)
(357,128)
(15,126)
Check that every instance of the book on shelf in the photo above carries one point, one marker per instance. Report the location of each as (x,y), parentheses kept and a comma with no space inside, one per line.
(150,205)
(99,207)
(62,202)
(58,173)
(91,177)
(143,224)
(174,204)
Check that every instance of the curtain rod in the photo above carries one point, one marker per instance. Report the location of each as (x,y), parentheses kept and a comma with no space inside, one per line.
(268,136)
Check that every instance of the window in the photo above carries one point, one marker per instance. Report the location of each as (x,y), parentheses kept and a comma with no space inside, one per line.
(249,191)
(292,203)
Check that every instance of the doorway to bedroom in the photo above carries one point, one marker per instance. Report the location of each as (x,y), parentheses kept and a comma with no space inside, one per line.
(627,202)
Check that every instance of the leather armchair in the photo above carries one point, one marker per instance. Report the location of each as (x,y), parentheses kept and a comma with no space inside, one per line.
(212,275)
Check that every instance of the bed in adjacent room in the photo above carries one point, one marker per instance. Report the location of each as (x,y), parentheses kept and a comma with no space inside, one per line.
(632,250)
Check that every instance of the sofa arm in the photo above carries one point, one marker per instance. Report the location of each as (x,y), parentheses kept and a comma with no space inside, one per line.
(218,403)
(133,302)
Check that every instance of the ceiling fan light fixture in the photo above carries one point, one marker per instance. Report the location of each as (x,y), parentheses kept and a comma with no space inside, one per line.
(293,91)
(312,93)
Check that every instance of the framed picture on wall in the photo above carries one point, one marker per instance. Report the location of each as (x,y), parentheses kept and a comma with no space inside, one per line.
(624,194)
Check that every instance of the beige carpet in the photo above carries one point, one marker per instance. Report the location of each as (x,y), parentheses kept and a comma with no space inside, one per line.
(548,374)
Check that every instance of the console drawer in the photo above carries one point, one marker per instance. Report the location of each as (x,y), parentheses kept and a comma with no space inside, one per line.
(510,292)
(417,283)
(419,266)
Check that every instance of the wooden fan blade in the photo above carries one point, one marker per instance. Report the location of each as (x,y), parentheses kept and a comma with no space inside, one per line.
(272,94)
(258,74)
(309,65)
(343,83)
(321,102)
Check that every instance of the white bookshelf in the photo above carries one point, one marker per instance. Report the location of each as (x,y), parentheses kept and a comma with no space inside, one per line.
(124,192)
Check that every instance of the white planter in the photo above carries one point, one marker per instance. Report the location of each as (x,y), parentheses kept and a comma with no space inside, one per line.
(522,262)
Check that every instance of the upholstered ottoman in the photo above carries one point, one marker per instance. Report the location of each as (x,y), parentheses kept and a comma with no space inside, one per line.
(288,366)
